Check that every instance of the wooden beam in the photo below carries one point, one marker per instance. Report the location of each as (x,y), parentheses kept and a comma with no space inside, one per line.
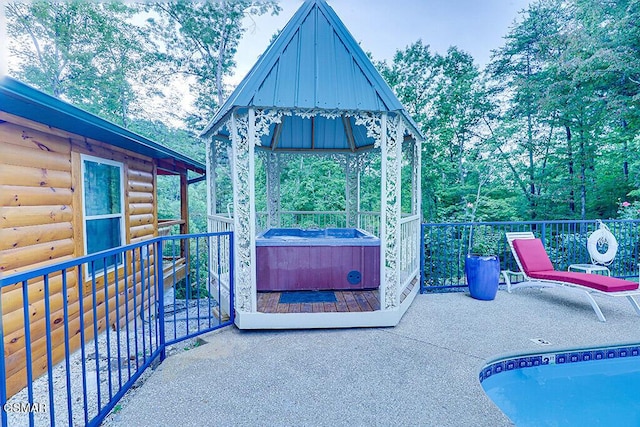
(277,133)
(34,177)
(77,205)
(28,255)
(26,138)
(175,167)
(313,132)
(184,214)
(20,237)
(20,155)
(320,151)
(348,130)
(23,216)
(184,203)
(126,209)
(16,195)
(197,179)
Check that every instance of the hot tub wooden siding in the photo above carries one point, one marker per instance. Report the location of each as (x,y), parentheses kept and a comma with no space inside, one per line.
(316,266)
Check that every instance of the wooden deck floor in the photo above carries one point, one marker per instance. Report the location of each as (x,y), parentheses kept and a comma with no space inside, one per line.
(347,301)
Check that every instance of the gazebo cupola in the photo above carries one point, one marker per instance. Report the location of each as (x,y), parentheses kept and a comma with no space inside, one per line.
(315,92)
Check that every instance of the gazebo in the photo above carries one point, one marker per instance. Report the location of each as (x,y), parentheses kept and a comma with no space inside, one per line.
(315,92)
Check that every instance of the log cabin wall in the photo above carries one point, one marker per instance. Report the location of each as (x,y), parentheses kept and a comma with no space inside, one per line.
(41,214)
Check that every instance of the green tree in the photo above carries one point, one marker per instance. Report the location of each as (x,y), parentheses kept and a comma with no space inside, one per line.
(412,74)
(461,110)
(447,97)
(200,40)
(84,52)
(609,35)
(526,136)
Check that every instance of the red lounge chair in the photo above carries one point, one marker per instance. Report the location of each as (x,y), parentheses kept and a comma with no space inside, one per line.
(537,269)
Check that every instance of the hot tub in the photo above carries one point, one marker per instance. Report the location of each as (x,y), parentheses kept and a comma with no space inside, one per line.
(327,259)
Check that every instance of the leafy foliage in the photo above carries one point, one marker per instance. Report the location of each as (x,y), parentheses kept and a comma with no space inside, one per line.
(550,129)
(195,290)
(200,41)
(84,52)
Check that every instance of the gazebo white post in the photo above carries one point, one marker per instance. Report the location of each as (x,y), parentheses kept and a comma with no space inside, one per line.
(359,174)
(352,189)
(211,180)
(243,142)
(212,175)
(408,149)
(391,157)
(273,189)
(417,147)
(413,249)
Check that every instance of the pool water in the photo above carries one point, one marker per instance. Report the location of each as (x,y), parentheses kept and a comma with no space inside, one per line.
(592,392)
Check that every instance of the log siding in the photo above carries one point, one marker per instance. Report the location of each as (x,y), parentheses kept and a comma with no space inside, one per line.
(41,222)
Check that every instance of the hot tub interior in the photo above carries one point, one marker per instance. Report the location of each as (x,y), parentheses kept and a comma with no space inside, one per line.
(327,233)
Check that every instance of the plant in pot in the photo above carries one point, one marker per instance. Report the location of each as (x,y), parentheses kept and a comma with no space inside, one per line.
(482,265)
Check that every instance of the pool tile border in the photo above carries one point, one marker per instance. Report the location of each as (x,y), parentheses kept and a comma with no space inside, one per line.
(557,358)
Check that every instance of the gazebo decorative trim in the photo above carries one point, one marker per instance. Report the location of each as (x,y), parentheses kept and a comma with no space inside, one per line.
(344,118)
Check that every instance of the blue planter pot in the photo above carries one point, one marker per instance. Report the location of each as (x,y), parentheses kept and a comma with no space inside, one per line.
(483,276)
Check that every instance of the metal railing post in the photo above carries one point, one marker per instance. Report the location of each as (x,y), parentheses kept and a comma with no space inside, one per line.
(232,311)
(422,290)
(27,345)
(160,282)
(3,379)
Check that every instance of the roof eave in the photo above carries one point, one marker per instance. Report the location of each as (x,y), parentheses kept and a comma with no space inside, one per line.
(29,96)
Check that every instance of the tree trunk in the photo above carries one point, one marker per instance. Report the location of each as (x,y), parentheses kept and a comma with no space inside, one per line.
(222,51)
(572,202)
(625,151)
(532,175)
(583,177)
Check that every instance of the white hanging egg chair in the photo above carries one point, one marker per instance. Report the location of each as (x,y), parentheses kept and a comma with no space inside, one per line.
(602,236)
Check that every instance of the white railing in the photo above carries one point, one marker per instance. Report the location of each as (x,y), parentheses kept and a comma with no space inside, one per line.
(320,219)
(167,227)
(305,219)
(220,262)
(369,221)
(171,227)
(220,223)
(409,248)
(262,221)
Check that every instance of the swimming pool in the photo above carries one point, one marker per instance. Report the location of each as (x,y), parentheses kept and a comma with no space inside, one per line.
(587,387)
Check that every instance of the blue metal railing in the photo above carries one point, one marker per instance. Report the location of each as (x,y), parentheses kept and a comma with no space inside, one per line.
(444,247)
(107,317)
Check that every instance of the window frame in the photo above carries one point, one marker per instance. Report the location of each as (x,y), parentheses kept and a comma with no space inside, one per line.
(85,217)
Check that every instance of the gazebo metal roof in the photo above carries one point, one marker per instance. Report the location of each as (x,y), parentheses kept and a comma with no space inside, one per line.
(315,64)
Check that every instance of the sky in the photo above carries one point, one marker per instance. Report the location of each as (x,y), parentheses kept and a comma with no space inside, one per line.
(384,26)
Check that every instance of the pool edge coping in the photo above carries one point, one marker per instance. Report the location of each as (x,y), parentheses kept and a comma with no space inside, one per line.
(499,364)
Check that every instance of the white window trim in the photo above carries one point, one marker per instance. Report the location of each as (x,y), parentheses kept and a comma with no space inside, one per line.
(85,217)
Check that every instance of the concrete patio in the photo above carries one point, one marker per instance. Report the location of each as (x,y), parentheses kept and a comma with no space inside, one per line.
(422,372)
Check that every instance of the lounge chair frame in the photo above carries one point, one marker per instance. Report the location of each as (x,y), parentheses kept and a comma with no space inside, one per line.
(542,283)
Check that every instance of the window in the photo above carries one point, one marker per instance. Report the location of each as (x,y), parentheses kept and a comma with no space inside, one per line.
(102,193)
